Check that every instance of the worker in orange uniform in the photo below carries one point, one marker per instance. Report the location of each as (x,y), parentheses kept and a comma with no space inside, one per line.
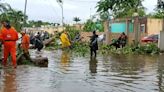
(9,38)
(25,43)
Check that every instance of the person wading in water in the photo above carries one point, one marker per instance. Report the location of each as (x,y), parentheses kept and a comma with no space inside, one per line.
(94,44)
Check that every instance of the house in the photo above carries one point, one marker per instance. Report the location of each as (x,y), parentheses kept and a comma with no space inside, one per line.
(135,28)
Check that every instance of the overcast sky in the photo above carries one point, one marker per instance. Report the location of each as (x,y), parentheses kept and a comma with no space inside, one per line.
(49,10)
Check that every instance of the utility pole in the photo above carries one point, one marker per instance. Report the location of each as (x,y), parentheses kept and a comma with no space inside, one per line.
(61,5)
(160,5)
(136,26)
(62,15)
(24,21)
(90,14)
(25,12)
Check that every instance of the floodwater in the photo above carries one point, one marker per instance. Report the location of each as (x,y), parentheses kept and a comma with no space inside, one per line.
(69,73)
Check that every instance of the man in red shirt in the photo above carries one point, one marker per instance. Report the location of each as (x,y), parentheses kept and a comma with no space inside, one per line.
(9,37)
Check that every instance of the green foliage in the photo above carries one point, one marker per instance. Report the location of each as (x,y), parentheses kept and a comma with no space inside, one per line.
(130,12)
(104,16)
(54,44)
(159,10)
(150,48)
(120,7)
(38,23)
(90,26)
(71,32)
(160,4)
(15,17)
(80,48)
(158,14)
(4,7)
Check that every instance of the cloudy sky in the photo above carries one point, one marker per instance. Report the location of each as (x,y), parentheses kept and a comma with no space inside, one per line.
(49,10)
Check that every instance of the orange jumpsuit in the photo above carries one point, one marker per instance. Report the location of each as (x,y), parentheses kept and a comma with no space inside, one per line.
(9,38)
(0,36)
(25,43)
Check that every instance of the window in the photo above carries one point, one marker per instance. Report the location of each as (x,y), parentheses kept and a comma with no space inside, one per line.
(142,27)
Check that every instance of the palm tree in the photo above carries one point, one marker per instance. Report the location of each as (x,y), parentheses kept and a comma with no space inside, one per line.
(76,19)
(4,7)
(15,17)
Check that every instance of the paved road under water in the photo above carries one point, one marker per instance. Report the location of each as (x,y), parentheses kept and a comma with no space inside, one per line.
(69,73)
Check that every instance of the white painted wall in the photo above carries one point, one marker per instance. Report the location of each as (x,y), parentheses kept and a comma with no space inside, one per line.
(161,41)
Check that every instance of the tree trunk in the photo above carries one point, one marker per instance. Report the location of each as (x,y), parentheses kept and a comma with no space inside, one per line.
(48,41)
(107,32)
(40,61)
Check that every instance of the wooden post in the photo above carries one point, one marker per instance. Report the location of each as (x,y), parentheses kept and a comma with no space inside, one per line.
(106,31)
(139,31)
(127,30)
(161,43)
(136,30)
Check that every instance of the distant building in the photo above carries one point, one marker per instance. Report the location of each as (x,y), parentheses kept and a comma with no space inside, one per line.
(142,24)
(135,28)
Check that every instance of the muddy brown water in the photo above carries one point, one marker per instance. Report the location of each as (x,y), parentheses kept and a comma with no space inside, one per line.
(69,73)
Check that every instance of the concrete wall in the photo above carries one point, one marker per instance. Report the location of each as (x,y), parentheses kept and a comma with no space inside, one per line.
(154,26)
(50,30)
(131,37)
(78,26)
(161,41)
(86,35)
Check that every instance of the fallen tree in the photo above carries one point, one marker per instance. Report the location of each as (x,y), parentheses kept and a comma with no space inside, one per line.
(37,61)
(45,43)
(48,41)
(24,58)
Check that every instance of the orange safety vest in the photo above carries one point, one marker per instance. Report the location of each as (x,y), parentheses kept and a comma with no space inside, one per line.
(9,34)
(25,42)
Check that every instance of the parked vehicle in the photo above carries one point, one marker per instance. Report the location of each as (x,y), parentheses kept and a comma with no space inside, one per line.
(150,38)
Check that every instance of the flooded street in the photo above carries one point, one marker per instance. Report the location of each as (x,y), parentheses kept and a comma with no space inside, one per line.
(69,73)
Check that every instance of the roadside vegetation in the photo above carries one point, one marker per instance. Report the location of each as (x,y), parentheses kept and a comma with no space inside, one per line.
(117,8)
(82,48)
